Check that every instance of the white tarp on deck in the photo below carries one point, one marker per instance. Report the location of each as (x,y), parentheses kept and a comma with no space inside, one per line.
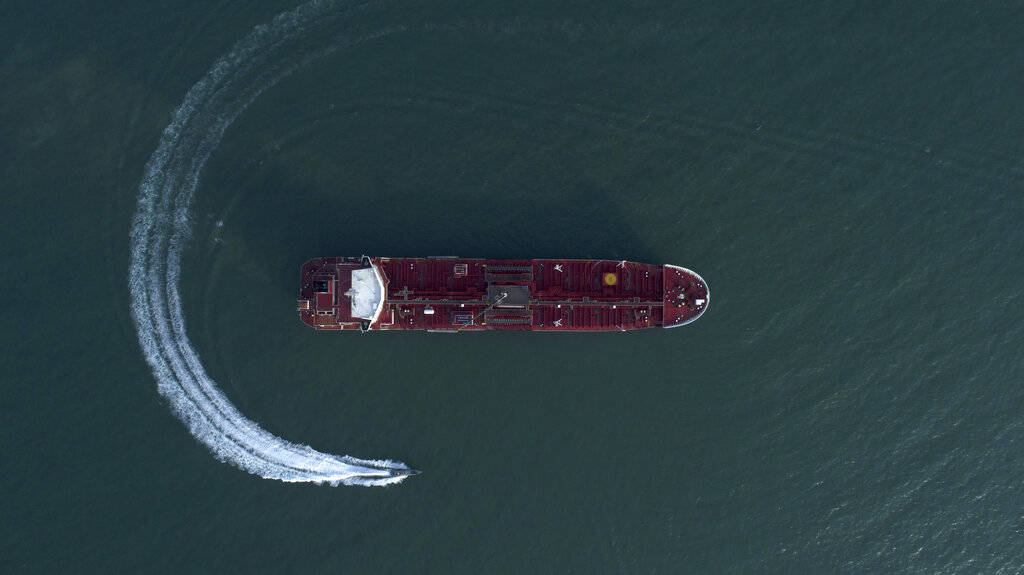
(365,293)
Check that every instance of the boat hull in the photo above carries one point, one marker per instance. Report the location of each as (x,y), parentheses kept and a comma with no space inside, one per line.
(472,294)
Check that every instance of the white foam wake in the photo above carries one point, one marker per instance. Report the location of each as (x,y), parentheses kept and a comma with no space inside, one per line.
(160,231)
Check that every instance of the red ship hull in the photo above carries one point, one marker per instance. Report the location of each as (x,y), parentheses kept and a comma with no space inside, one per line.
(463,294)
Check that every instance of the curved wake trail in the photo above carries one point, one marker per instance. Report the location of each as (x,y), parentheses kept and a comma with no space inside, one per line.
(160,231)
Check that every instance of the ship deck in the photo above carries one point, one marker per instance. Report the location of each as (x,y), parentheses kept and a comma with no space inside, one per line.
(460,294)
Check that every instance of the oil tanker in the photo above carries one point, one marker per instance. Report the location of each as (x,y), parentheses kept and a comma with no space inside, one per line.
(450,294)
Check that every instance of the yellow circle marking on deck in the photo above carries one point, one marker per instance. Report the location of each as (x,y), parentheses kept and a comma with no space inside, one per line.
(610,279)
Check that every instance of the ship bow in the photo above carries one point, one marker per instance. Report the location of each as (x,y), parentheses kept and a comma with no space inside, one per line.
(686,298)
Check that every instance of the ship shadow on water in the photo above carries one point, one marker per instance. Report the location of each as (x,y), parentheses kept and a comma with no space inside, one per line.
(283,219)
(571,221)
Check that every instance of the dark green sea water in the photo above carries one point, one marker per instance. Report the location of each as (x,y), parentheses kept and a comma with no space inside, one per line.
(848,178)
